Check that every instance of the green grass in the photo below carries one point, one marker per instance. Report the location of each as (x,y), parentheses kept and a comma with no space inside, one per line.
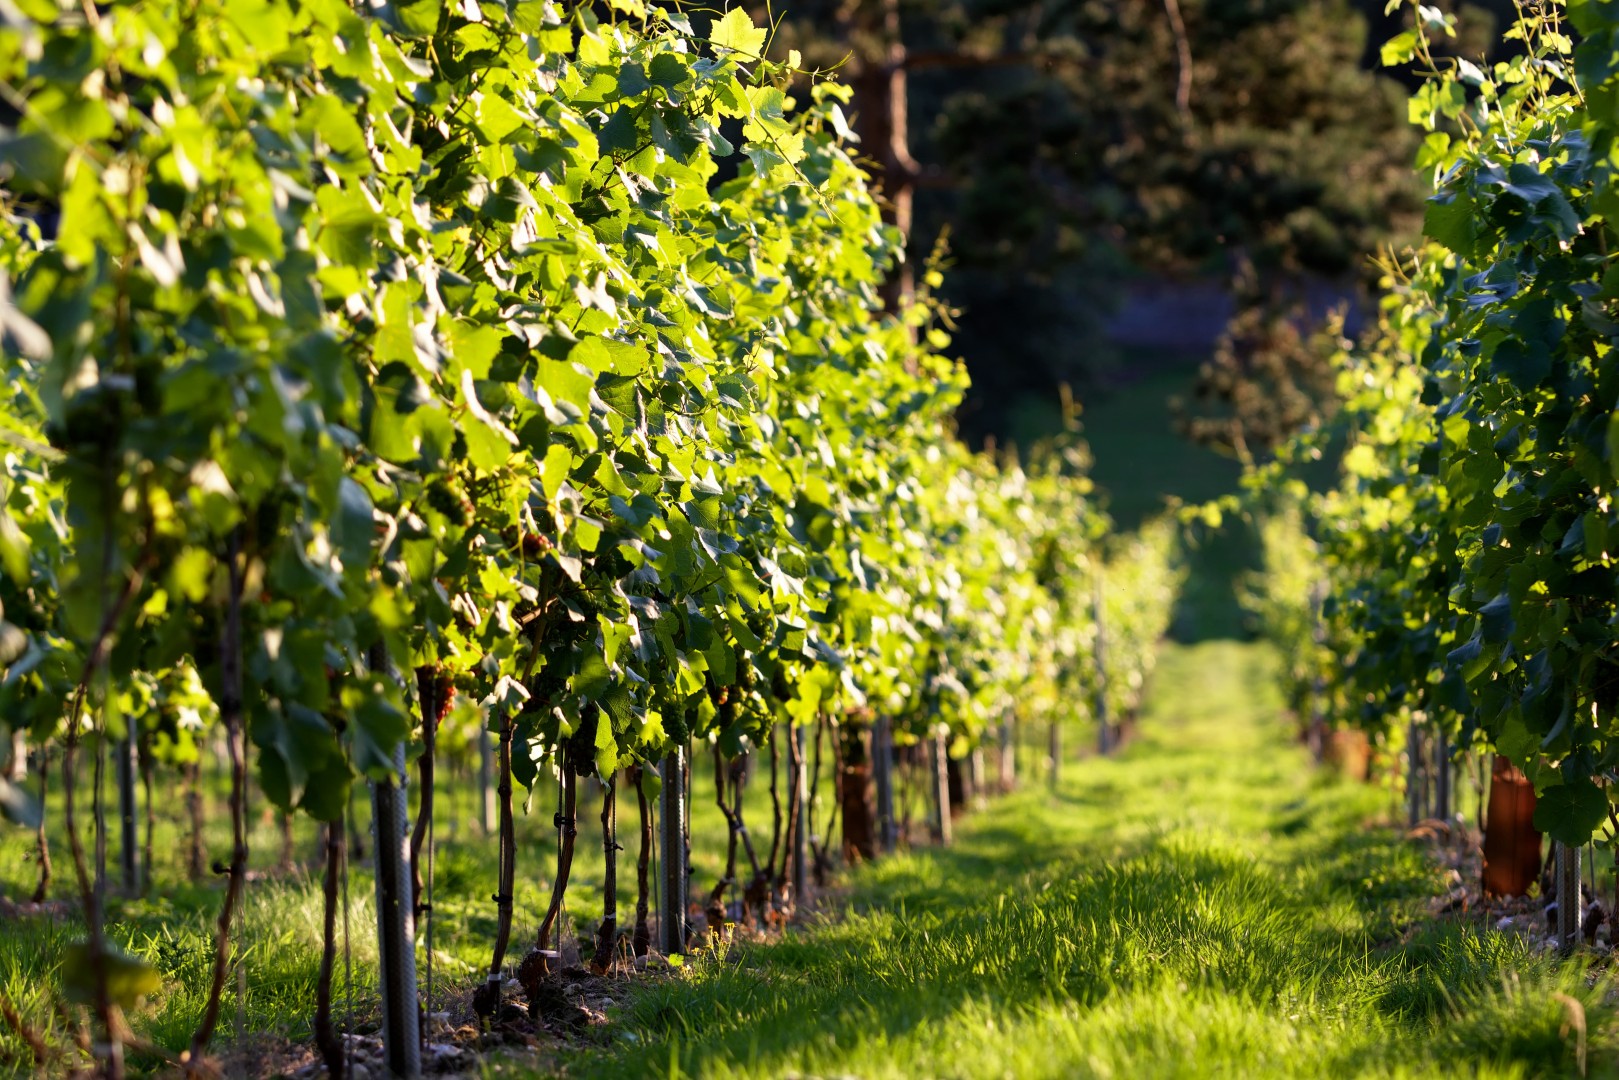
(1140,461)
(1203,905)
(1142,465)
(279,939)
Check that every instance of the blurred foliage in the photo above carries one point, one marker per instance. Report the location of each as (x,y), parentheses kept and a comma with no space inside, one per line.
(1051,142)
(1467,551)
(1271,377)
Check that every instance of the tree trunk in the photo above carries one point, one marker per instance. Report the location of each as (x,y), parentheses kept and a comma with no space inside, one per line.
(907,759)
(356,834)
(794,866)
(817,845)
(882,115)
(1511,841)
(111,1050)
(1315,735)
(756,894)
(1349,753)
(98,811)
(688,793)
(17,764)
(90,897)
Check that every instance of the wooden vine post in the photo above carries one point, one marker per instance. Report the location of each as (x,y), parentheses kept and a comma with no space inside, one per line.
(1441,767)
(1568,897)
(396,923)
(489,805)
(1008,755)
(1054,752)
(941,785)
(128,844)
(1315,734)
(1413,774)
(1104,726)
(802,823)
(672,817)
(854,745)
(882,752)
(1511,841)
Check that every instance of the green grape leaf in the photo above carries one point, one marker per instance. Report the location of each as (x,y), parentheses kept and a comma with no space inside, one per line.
(735,30)
(127,977)
(1572,812)
(18,806)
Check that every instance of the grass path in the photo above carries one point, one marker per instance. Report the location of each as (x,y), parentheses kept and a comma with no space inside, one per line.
(1201,905)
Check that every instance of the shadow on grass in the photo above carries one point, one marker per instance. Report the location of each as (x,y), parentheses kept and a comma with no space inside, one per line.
(938,933)
(1200,904)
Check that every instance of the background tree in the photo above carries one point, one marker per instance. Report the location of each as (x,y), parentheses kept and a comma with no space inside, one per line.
(1069,147)
(1271,376)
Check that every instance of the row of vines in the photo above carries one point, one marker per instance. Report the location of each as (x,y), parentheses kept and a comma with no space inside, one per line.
(493,361)
(1457,591)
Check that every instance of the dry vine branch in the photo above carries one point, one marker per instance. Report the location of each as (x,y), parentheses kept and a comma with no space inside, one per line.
(568,827)
(607,932)
(230,713)
(25,1031)
(326,1039)
(89,894)
(641,940)
(41,840)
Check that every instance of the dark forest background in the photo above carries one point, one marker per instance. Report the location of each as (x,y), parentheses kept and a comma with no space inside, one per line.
(1176,194)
